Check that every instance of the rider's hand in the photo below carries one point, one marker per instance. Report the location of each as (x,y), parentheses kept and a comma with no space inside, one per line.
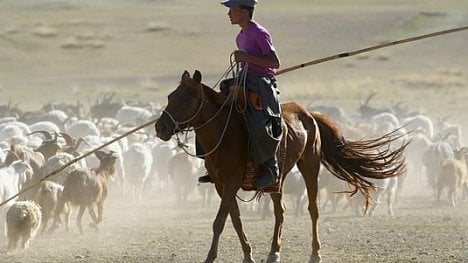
(240,56)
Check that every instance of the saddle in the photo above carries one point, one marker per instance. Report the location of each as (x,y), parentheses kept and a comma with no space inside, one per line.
(238,93)
(253,170)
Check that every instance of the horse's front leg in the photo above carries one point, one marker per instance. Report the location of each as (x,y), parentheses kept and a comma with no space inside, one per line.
(227,202)
(237,223)
(279,208)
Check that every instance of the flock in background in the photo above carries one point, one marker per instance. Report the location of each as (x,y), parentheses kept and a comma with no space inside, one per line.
(34,144)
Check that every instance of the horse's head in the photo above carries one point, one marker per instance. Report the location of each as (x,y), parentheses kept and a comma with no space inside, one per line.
(183,104)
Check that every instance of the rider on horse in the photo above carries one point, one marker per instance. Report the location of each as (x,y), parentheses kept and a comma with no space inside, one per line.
(259,61)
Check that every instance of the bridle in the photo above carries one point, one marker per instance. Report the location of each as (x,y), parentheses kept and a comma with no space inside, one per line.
(176,130)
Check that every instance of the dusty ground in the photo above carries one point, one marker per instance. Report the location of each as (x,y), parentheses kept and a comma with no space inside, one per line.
(158,230)
(61,51)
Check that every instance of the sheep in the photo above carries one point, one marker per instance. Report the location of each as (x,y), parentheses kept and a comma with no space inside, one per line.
(137,165)
(47,197)
(87,189)
(23,220)
(453,175)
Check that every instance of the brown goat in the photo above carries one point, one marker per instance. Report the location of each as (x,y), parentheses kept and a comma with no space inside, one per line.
(87,189)
(453,175)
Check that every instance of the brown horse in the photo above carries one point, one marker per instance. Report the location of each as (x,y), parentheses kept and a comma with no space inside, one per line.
(311,139)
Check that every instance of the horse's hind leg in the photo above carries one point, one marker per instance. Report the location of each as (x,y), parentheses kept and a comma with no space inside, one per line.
(310,170)
(279,207)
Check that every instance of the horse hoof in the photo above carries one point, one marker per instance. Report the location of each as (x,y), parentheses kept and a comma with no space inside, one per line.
(248,260)
(274,258)
(315,259)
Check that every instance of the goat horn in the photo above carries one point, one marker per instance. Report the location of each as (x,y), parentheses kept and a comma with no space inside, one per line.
(44,133)
(370,97)
(81,140)
(69,140)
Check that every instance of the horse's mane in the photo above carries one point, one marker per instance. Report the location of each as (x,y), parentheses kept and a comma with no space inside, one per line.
(213,96)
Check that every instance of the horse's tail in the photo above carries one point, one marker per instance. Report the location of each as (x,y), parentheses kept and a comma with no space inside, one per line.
(355,161)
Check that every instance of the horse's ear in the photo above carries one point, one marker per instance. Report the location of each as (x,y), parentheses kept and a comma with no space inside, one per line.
(185,75)
(197,76)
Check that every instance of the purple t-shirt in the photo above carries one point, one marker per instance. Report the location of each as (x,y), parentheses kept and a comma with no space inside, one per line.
(256,41)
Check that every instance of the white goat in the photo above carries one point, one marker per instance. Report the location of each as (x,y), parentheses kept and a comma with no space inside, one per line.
(82,128)
(9,131)
(420,123)
(23,220)
(57,161)
(449,132)
(432,156)
(182,171)
(162,153)
(334,188)
(132,115)
(45,126)
(385,121)
(137,166)
(419,142)
(12,178)
(387,187)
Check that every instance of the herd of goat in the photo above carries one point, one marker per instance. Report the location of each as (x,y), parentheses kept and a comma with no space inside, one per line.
(39,151)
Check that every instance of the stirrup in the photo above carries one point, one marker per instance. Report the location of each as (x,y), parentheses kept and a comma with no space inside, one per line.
(205,179)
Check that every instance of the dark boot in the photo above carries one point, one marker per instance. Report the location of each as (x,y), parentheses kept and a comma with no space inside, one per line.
(269,175)
(205,179)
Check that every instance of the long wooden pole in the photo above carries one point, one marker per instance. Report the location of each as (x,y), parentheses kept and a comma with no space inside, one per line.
(352,53)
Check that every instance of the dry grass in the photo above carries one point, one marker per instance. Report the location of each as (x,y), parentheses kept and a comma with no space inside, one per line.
(119,45)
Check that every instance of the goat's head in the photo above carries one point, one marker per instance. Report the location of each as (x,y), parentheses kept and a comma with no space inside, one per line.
(106,163)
